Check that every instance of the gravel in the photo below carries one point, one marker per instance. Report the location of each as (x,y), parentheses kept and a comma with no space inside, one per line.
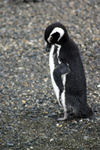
(28,106)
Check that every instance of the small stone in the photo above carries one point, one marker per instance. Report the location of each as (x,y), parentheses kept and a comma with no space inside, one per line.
(60,126)
(46,112)
(57,124)
(86,137)
(98,118)
(81,121)
(25,82)
(23,101)
(1,140)
(45,79)
(98,85)
(10,144)
(46,117)
(74,122)
(95,93)
(51,140)
(31,147)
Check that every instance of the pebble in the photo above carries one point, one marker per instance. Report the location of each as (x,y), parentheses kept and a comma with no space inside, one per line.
(31,147)
(51,140)
(23,101)
(10,144)
(86,137)
(59,125)
(98,85)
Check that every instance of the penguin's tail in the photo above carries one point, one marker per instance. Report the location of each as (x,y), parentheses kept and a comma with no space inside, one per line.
(85,112)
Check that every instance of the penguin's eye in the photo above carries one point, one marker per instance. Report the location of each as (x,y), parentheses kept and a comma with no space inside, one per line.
(51,38)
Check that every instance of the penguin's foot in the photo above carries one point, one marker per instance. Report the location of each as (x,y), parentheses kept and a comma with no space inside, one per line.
(64,118)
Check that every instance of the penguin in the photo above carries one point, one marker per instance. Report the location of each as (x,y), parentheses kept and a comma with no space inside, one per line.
(67,72)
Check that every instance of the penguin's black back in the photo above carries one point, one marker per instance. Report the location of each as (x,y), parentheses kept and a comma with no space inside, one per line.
(75,80)
(76,77)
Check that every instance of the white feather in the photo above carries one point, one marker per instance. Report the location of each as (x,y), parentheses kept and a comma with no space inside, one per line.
(59,30)
(52,67)
(63,97)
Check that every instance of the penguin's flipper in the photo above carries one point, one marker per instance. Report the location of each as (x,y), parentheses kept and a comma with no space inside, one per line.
(60,70)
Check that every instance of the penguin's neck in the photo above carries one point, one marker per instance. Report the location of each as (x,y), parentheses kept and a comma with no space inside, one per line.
(55,52)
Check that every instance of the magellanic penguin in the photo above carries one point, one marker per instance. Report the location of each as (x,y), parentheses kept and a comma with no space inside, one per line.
(67,72)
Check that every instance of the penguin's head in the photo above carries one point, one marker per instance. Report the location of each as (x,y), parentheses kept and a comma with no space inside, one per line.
(55,33)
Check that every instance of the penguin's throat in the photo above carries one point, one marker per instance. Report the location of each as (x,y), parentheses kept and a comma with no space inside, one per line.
(56,54)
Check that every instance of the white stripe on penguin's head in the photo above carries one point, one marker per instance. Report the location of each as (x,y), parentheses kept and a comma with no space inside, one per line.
(56,30)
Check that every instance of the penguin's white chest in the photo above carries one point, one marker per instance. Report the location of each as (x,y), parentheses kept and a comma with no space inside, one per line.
(52,67)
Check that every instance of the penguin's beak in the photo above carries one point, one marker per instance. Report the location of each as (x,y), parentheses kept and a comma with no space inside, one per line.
(48,47)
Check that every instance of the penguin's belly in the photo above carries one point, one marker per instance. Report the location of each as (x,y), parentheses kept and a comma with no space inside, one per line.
(52,64)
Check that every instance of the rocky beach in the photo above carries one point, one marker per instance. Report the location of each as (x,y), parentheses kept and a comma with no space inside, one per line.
(28,106)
